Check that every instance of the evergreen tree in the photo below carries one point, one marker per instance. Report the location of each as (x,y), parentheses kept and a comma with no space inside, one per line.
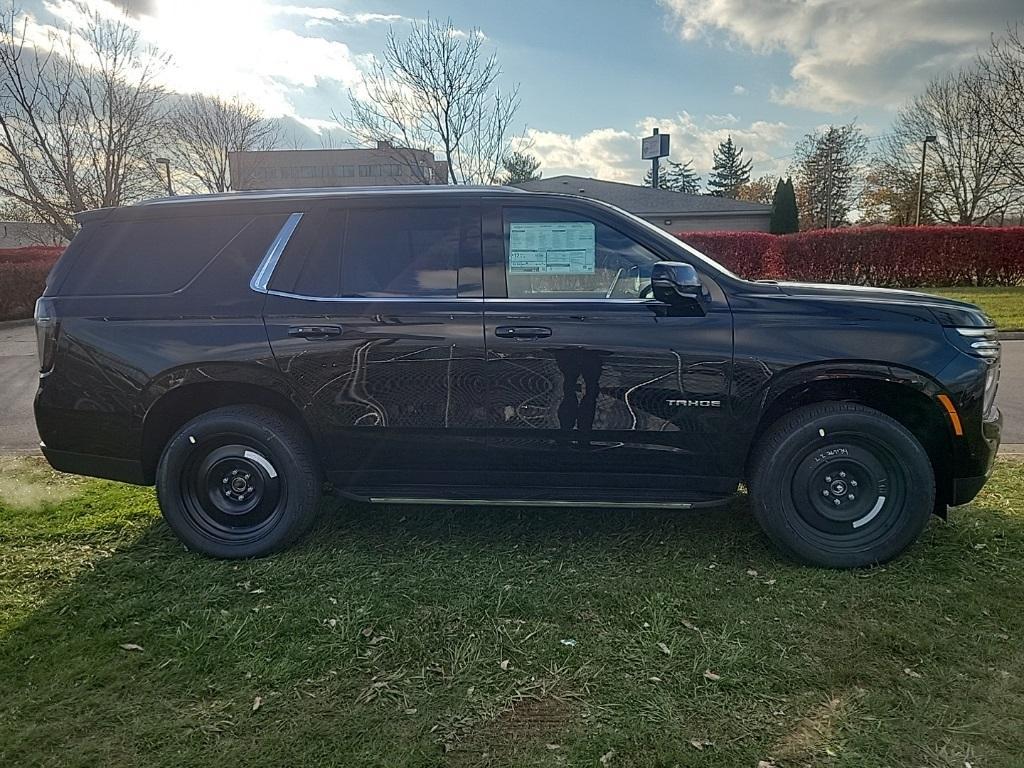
(520,167)
(785,219)
(730,171)
(829,164)
(677,177)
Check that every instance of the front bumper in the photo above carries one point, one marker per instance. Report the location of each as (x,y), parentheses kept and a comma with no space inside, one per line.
(966,488)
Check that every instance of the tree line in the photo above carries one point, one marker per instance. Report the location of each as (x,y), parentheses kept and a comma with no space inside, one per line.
(970,173)
(85,123)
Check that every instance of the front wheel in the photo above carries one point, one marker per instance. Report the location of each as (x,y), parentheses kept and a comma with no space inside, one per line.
(239,481)
(841,485)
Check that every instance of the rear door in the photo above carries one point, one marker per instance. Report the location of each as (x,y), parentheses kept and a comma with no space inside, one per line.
(593,383)
(375,314)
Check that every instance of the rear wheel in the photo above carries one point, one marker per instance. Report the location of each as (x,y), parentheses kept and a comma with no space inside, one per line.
(841,485)
(238,482)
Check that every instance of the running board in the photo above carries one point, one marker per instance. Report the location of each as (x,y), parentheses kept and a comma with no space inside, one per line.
(551,503)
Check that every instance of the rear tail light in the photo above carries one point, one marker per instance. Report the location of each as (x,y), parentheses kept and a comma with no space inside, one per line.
(47,327)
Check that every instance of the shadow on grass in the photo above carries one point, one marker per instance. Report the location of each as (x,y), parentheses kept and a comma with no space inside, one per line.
(397,635)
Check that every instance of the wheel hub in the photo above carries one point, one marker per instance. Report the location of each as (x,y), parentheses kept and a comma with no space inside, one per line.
(234,488)
(838,487)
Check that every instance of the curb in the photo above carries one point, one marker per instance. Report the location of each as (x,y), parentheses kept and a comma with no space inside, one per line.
(5,324)
(1011,449)
(1011,335)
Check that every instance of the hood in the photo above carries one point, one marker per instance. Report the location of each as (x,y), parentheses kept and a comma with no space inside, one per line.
(949,312)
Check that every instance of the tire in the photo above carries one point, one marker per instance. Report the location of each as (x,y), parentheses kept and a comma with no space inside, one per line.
(841,485)
(240,481)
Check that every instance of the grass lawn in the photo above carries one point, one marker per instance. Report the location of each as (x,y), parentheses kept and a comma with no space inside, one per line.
(437,637)
(1004,305)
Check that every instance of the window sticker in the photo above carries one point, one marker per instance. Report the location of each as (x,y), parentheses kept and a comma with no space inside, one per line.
(551,248)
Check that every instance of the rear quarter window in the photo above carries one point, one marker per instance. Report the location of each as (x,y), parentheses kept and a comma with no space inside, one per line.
(158,256)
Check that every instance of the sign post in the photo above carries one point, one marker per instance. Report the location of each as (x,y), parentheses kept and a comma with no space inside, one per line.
(653,148)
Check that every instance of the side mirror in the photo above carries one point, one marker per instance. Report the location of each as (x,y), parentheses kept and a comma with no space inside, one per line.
(673,282)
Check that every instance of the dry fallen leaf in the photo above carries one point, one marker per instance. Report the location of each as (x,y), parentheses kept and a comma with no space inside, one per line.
(751,572)
(411,711)
(665,649)
(911,673)
(690,625)
(712,676)
(607,757)
(257,703)
(553,747)
(131,647)
(366,632)
(654,679)
(766,764)
(700,743)
(504,665)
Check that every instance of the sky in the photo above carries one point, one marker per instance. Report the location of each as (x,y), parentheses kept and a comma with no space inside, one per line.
(595,76)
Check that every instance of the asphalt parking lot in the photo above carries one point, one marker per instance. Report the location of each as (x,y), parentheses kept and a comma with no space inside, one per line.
(18,386)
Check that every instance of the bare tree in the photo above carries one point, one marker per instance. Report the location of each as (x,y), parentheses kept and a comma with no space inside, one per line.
(78,119)
(437,90)
(204,130)
(967,170)
(1001,75)
(828,167)
(890,195)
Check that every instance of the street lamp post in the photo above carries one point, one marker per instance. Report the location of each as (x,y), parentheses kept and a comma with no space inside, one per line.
(920,182)
(167,164)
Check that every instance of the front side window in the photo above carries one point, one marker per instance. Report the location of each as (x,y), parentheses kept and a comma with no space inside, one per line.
(404,252)
(557,254)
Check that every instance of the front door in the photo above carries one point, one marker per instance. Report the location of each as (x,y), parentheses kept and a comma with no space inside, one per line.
(375,315)
(592,382)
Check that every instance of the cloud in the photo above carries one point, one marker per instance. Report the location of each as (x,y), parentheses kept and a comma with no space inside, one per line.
(614,154)
(604,153)
(137,7)
(848,53)
(319,16)
(233,48)
(738,90)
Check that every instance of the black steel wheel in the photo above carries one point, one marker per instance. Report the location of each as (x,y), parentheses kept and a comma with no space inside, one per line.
(238,482)
(841,485)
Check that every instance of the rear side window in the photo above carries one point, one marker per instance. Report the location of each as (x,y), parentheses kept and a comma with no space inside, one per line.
(150,256)
(401,252)
(311,264)
(375,253)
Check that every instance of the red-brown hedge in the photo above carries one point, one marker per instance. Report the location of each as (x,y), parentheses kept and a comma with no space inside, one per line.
(901,257)
(23,274)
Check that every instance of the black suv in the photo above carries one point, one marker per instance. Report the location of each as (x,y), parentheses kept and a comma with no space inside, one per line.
(492,346)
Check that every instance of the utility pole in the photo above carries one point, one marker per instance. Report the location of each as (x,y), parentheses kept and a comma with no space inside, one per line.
(166,163)
(920,182)
(654,167)
(828,181)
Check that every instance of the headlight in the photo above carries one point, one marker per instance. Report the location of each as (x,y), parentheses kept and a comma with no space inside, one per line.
(991,385)
(983,342)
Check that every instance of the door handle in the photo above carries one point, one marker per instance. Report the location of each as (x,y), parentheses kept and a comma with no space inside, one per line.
(522,332)
(314,331)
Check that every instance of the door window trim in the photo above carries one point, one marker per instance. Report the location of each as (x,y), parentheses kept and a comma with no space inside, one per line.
(265,271)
